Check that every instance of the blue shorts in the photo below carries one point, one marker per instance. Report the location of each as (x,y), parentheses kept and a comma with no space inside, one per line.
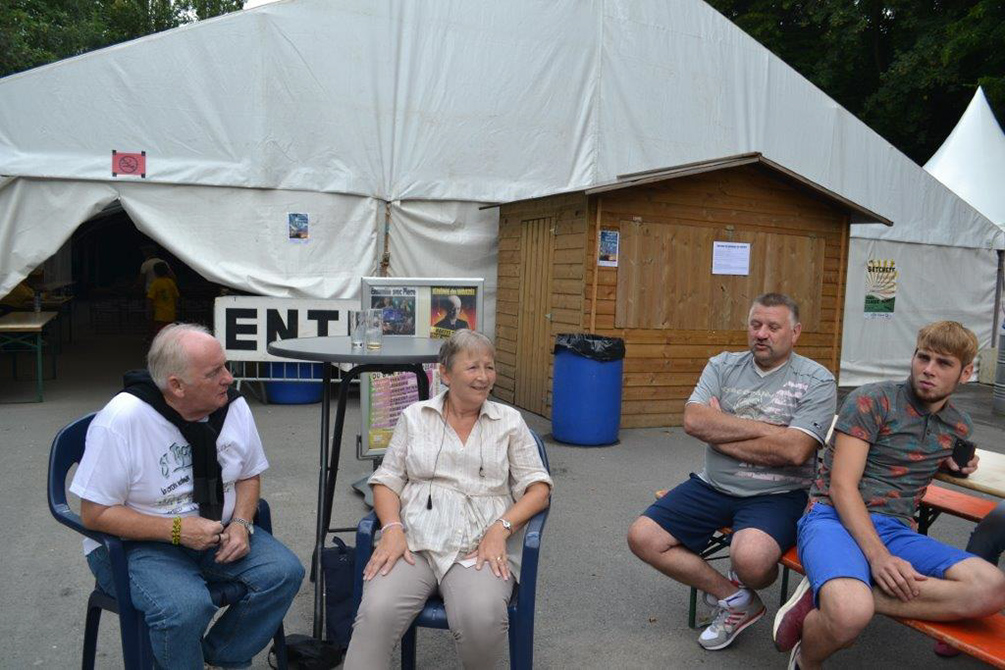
(694,510)
(828,551)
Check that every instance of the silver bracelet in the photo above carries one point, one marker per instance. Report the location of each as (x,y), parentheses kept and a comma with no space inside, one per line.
(393,524)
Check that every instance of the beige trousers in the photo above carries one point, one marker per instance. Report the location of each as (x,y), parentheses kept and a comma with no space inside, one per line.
(475,601)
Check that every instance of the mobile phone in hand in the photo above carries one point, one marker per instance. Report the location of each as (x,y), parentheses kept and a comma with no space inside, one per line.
(963,453)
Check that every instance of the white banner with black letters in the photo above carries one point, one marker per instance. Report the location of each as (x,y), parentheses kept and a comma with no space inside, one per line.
(246,325)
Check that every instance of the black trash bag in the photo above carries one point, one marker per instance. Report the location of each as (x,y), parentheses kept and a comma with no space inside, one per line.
(594,347)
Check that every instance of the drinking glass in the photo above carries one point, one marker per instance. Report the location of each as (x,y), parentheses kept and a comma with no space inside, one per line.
(374,328)
(357,327)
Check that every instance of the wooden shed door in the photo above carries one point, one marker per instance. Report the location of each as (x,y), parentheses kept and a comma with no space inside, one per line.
(534,340)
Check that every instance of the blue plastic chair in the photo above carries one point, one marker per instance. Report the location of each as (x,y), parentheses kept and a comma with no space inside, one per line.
(67,449)
(434,615)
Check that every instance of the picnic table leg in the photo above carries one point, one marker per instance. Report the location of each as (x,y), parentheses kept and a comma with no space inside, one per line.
(692,609)
(926,517)
(38,365)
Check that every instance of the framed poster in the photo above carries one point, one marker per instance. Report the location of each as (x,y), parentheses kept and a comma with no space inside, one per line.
(411,307)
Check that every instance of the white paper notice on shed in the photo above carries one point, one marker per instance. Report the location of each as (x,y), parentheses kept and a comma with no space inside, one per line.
(731,258)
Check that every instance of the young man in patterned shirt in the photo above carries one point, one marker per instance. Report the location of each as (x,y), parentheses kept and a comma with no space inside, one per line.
(857,541)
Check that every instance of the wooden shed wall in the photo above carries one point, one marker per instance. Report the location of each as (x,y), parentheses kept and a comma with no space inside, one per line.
(741,204)
(699,314)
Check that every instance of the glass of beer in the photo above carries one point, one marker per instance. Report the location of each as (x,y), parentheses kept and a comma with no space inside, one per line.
(374,328)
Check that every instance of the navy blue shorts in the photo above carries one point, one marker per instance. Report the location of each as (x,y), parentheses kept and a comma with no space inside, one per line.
(693,511)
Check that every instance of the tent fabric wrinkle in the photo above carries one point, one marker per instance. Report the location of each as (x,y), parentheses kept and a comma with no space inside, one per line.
(46,212)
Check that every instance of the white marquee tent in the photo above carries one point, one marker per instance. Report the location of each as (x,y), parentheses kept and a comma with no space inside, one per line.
(390,123)
(971,162)
(942,272)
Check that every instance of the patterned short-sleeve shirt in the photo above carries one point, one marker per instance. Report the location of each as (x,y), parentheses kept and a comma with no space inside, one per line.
(906,445)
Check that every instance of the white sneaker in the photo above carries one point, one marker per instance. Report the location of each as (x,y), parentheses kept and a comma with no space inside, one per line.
(735,613)
(793,658)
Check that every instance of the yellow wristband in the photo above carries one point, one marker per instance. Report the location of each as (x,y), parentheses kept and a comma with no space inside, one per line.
(176,530)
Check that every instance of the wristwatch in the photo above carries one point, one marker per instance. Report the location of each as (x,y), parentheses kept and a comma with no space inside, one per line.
(506,524)
(250,527)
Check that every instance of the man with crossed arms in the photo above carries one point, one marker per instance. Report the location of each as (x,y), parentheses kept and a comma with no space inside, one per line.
(763,414)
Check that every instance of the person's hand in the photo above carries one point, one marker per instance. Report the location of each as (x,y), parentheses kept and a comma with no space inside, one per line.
(949,464)
(235,544)
(713,402)
(492,550)
(199,533)
(391,547)
(896,577)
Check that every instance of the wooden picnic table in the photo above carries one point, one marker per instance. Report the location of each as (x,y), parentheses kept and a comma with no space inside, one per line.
(63,304)
(989,477)
(24,331)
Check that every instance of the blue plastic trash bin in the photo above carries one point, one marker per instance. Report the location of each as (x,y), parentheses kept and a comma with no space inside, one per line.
(586,389)
(293,392)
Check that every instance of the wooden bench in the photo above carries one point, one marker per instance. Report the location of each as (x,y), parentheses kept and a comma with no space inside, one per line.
(939,499)
(984,639)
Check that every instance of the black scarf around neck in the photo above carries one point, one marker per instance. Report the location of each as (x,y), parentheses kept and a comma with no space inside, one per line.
(207,480)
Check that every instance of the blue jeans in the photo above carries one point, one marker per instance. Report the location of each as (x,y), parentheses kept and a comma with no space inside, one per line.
(168,584)
(988,538)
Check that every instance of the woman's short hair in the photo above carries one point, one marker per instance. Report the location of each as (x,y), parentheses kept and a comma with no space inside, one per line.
(464,340)
(167,355)
(949,337)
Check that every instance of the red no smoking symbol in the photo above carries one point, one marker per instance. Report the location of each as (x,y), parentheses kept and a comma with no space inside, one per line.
(129,163)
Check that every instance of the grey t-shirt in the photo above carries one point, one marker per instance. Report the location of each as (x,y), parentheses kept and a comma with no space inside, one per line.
(800,394)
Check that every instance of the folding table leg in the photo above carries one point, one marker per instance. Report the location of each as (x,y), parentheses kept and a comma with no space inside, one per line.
(38,365)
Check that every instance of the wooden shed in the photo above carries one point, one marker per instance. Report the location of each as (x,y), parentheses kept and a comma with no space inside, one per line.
(662,297)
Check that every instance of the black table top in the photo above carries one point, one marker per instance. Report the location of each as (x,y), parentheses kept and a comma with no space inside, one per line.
(394,350)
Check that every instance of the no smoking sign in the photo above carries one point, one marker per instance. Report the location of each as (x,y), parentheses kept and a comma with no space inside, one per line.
(129,164)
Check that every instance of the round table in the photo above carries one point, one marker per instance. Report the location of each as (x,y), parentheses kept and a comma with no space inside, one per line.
(396,354)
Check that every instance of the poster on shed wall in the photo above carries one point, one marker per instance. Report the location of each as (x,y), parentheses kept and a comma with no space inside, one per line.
(607,256)
(880,288)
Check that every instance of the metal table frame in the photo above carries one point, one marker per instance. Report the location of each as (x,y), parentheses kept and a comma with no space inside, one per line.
(398,354)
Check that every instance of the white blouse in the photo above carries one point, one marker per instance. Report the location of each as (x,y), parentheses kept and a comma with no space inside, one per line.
(471,485)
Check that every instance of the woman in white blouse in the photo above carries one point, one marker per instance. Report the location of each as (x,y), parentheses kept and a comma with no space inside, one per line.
(460,478)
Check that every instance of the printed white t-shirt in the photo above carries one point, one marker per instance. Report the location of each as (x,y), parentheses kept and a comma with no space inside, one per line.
(135,457)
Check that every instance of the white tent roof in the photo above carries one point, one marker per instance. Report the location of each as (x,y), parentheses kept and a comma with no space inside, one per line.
(972,160)
(364,112)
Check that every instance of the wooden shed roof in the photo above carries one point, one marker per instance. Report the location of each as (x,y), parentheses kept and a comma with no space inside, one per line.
(859,214)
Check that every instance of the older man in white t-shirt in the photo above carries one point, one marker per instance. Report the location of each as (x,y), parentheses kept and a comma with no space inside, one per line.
(173,464)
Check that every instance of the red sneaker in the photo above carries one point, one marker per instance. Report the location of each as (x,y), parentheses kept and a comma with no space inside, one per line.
(788,628)
(946,650)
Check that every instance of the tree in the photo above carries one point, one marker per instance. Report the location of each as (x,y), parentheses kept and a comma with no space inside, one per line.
(907,68)
(36,32)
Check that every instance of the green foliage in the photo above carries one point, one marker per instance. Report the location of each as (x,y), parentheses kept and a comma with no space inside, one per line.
(907,68)
(36,32)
